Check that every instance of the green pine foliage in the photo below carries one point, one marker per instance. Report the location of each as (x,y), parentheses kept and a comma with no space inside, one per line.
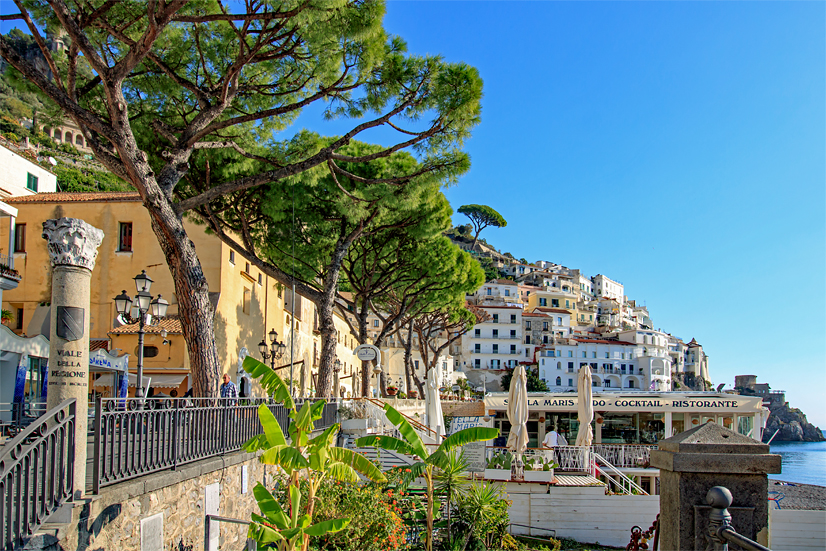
(534,383)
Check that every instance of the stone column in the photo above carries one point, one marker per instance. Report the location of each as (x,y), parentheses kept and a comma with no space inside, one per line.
(693,462)
(72,245)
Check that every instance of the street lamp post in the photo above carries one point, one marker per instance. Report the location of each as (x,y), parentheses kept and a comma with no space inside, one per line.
(140,306)
(274,351)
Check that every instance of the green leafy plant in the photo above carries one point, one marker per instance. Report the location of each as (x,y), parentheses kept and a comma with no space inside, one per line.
(411,444)
(539,463)
(303,460)
(483,511)
(6,316)
(500,460)
(452,481)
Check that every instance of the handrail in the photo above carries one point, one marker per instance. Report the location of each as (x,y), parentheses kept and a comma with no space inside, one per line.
(209,519)
(720,530)
(631,484)
(416,424)
(134,437)
(37,470)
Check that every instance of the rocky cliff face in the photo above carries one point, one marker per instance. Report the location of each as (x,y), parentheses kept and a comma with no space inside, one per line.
(792,425)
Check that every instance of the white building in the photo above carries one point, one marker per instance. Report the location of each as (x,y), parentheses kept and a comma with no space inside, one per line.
(497,291)
(493,345)
(613,364)
(606,287)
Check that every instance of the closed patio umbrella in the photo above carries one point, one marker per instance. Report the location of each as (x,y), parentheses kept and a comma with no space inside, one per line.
(585,407)
(433,404)
(518,415)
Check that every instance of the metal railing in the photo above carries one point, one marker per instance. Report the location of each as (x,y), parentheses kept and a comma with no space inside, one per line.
(616,477)
(135,437)
(15,416)
(720,530)
(37,474)
(625,456)
(7,260)
(252,545)
(568,458)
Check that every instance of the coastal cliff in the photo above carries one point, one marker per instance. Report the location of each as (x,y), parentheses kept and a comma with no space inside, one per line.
(791,424)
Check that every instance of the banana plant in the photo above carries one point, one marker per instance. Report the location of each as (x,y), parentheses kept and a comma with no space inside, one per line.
(411,444)
(312,459)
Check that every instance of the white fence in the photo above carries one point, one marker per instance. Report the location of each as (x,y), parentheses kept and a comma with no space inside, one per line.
(583,513)
(797,530)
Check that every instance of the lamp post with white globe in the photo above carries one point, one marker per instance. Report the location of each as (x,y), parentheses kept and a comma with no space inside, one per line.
(136,310)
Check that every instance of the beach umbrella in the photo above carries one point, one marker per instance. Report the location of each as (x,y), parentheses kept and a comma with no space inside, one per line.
(518,411)
(433,404)
(585,407)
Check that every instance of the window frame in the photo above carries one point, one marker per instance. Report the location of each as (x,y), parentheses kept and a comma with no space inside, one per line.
(122,238)
(19,238)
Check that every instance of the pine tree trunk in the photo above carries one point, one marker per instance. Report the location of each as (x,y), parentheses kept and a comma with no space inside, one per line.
(408,357)
(365,366)
(191,286)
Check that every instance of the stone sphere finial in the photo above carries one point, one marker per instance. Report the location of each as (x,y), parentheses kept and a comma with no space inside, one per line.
(72,242)
(719,497)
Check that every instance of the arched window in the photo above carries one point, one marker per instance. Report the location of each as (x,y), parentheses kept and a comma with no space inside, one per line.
(79,140)
(559,365)
(57,135)
(559,381)
(68,137)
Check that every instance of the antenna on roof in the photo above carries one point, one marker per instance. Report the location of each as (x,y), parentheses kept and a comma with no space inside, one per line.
(52,161)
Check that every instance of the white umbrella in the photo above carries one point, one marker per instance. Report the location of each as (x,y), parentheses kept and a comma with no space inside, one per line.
(433,404)
(585,407)
(518,411)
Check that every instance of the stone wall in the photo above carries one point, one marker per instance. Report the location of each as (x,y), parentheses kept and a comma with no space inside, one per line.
(165,511)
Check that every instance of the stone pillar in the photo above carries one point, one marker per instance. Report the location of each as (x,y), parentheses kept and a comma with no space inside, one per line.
(693,462)
(72,245)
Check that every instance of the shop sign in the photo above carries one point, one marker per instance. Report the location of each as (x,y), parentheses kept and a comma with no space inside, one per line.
(475,451)
(715,403)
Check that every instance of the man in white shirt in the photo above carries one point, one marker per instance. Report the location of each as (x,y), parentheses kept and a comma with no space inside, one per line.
(552,440)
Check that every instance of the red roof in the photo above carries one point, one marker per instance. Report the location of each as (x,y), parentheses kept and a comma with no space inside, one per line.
(604,341)
(554,310)
(65,197)
(170,324)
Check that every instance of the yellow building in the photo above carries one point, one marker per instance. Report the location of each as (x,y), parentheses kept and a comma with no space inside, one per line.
(247,303)
(552,298)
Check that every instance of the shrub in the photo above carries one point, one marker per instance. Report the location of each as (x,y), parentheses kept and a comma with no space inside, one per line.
(375,516)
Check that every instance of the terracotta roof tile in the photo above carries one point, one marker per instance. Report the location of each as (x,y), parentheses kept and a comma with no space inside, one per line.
(98,344)
(604,341)
(554,310)
(65,197)
(172,325)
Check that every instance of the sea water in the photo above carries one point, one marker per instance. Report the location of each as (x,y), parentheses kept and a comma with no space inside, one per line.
(803,462)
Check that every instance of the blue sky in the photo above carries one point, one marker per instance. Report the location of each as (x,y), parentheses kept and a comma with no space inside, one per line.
(676,147)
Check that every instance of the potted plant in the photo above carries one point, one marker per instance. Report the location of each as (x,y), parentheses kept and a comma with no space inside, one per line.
(354,418)
(539,469)
(413,394)
(499,466)
(392,390)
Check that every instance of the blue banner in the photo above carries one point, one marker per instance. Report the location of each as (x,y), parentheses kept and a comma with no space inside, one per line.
(20,384)
(44,376)
(123,384)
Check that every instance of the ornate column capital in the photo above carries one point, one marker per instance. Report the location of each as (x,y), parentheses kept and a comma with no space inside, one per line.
(72,242)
